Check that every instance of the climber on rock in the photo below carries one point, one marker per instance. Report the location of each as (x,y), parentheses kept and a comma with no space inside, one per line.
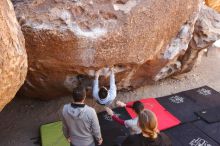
(102,95)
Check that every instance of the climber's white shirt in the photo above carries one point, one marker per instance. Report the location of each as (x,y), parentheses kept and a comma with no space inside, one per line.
(111,92)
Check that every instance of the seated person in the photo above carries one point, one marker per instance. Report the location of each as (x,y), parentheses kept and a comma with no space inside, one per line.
(132,123)
(102,95)
(150,136)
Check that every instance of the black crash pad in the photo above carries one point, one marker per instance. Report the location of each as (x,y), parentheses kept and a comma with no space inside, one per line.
(180,106)
(204,96)
(212,130)
(210,115)
(111,129)
(189,135)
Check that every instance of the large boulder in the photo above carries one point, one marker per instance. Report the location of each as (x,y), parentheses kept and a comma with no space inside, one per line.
(67,40)
(206,31)
(13,59)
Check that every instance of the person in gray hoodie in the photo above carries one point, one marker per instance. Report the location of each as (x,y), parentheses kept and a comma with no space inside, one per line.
(80,122)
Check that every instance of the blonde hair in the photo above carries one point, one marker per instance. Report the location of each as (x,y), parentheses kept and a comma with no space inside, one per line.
(148,123)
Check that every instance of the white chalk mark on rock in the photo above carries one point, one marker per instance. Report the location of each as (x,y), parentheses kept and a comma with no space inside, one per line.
(93,33)
(126,8)
(65,16)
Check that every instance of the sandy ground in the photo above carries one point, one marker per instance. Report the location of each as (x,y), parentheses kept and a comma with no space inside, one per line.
(21,119)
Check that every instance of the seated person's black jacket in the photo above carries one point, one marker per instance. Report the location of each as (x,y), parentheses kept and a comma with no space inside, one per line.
(140,140)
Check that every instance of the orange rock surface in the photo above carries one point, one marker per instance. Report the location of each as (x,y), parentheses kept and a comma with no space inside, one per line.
(215,4)
(67,41)
(13,58)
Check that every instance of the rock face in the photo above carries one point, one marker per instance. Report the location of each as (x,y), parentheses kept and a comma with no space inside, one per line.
(204,33)
(207,31)
(215,4)
(13,59)
(68,40)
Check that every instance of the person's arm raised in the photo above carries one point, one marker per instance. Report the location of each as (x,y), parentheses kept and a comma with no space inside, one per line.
(114,117)
(113,88)
(95,90)
(122,104)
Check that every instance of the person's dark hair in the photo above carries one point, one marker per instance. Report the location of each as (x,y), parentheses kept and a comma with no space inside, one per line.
(138,106)
(79,94)
(103,93)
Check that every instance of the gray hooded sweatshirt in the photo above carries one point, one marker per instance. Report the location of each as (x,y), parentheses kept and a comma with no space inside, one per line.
(80,124)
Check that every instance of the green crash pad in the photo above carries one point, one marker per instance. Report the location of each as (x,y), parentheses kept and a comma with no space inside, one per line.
(52,135)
